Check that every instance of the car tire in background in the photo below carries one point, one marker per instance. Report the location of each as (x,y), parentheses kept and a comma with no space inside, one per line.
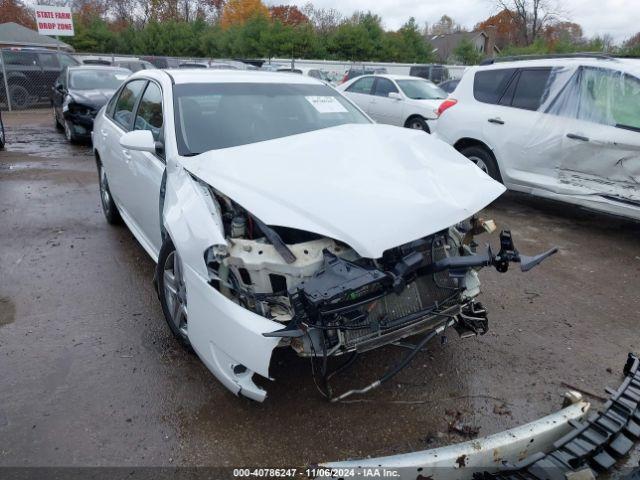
(417,123)
(58,125)
(20,98)
(484,159)
(109,208)
(68,132)
(2,137)
(172,291)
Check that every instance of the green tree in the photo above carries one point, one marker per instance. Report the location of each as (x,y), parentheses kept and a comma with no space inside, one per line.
(466,53)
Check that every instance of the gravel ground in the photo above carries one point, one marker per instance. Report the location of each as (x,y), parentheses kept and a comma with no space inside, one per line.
(90,375)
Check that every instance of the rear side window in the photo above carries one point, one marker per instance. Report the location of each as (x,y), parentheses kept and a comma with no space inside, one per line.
(531,89)
(126,103)
(489,85)
(49,60)
(384,87)
(20,58)
(362,86)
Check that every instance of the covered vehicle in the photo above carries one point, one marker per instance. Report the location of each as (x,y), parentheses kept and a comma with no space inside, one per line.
(78,94)
(561,128)
(281,216)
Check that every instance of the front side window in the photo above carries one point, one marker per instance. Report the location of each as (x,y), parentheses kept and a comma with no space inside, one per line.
(384,87)
(149,116)
(126,102)
(609,97)
(219,115)
(489,85)
(49,60)
(362,86)
(67,60)
(27,59)
(421,90)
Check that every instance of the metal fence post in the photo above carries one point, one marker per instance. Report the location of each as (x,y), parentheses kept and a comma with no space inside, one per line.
(6,83)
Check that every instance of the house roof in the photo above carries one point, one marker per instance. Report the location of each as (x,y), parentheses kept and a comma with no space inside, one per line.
(13,34)
(449,41)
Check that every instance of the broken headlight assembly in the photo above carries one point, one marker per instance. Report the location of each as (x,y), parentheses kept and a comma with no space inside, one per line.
(331,302)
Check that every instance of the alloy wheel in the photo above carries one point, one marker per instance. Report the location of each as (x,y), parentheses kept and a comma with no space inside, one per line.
(175,292)
(480,163)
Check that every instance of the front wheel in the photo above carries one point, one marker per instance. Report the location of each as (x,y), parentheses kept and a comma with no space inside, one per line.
(109,208)
(417,123)
(172,291)
(484,160)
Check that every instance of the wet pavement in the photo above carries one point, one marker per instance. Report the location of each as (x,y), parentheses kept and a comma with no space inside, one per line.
(90,375)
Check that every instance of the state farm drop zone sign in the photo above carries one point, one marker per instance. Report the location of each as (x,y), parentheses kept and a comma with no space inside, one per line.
(54,20)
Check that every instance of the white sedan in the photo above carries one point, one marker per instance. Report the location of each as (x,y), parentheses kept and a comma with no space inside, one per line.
(279,215)
(400,100)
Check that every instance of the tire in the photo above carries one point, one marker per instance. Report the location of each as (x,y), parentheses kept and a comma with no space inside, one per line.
(20,98)
(484,159)
(172,292)
(109,208)
(68,132)
(2,137)
(417,123)
(58,125)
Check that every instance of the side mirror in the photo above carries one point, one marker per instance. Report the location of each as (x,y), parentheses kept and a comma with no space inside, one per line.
(138,140)
(395,95)
(59,87)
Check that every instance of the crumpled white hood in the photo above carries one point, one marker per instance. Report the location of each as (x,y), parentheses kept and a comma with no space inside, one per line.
(372,187)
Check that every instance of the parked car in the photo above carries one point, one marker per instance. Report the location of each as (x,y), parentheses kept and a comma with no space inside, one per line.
(211,171)
(449,85)
(400,100)
(193,65)
(561,128)
(162,62)
(134,65)
(96,61)
(30,74)
(433,72)
(78,94)
(354,72)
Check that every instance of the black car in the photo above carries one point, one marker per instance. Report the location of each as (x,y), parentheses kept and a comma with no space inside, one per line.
(31,73)
(162,62)
(450,85)
(134,65)
(78,94)
(434,72)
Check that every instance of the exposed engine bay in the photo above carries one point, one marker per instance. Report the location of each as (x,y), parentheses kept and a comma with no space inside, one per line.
(332,302)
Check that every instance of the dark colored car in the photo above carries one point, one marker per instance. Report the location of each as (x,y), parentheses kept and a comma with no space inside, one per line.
(134,65)
(434,72)
(31,73)
(78,94)
(449,85)
(354,72)
(96,61)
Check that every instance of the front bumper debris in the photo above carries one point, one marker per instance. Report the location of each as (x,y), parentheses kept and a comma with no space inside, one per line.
(554,447)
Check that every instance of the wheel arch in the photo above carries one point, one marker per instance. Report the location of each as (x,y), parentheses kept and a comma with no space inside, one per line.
(466,142)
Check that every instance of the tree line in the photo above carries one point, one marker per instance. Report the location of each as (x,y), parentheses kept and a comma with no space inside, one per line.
(250,29)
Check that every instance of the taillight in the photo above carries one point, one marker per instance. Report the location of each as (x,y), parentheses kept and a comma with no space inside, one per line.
(345,78)
(448,103)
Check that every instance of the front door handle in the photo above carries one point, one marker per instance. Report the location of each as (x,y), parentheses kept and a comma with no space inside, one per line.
(126,154)
(496,120)
(573,136)
(103,132)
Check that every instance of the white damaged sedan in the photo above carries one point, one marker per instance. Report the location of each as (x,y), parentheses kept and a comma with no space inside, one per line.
(280,215)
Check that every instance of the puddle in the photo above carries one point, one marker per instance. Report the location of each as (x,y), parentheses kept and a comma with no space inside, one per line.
(42,141)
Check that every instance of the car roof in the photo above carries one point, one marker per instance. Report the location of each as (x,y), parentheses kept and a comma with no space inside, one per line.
(624,64)
(186,75)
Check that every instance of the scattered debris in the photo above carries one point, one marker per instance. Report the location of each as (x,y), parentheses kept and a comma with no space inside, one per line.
(501,409)
(585,391)
(461,428)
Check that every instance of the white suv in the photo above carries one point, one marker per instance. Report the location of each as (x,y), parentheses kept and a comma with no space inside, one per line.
(561,128)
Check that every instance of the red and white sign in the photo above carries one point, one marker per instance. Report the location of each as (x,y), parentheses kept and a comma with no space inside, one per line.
(54,20)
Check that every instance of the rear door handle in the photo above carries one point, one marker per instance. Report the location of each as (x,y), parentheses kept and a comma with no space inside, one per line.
(126,154)
(496,120)
(103,132)
(573,136)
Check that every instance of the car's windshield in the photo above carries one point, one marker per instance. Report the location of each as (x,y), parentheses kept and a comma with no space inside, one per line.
(97,79)
(220,115)
(421,90)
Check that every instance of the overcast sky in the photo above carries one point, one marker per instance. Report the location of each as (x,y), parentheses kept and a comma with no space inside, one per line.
(616,17)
